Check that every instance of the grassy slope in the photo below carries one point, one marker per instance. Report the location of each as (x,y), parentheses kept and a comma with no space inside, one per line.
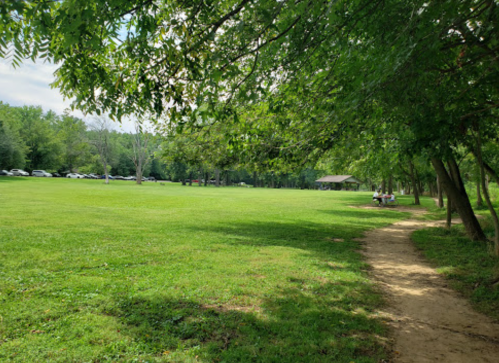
(470,266)
(90,272)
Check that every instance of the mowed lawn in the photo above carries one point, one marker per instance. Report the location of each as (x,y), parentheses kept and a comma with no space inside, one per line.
(157,273)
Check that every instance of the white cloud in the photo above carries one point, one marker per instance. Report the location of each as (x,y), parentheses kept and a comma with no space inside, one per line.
(30,85)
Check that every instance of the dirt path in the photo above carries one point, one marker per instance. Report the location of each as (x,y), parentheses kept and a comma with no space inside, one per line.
(430,322)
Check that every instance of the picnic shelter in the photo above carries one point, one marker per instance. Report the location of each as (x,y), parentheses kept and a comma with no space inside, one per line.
(338,182)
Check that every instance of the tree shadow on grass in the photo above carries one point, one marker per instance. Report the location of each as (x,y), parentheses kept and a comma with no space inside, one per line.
(390,213)
(290,326)
(12,179)
(310,319)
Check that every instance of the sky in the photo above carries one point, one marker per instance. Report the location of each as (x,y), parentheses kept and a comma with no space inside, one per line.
(30,85)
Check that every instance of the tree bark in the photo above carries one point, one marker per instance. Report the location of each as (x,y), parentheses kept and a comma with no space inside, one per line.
(479,200)
(486,193)
(200,178)
(383,186)
(413,182)
(458,198)
(255,179)
(217,177)
(106,172)
(448,222)
(390,185)
(440,195)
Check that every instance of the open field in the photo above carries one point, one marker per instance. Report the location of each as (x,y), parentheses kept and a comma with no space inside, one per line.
(93,273)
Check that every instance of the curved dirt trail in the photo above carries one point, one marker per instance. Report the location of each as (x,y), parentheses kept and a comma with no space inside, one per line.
(429,321)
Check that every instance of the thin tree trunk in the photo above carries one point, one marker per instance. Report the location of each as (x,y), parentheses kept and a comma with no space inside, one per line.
(383,186)
(440,195)
(390,185)
(255,179)
(206,176)
(217,177)
(479,200)
(486,193)
(448,222)
(106,172)
(413,182)
(200,178)
(459,199)
(190,179)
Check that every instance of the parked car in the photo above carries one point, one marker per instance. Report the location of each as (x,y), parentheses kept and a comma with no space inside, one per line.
(42,173)
(74,176)
(19,172)
(6,173)
(119,177)
(130,178)
(56,175)
(94,176)
(151,178)
(109,176)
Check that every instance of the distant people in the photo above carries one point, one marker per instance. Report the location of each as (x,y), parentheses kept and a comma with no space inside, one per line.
(377,196)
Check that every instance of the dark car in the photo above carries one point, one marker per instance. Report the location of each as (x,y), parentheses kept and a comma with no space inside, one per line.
(56,175)
(5,172)
(104,177)
(151,178)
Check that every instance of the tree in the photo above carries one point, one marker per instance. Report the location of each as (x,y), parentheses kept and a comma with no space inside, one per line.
(12,148)
(100,138)
(71,132)
(141,151)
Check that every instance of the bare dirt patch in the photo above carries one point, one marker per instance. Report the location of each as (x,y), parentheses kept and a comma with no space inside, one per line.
(429,321)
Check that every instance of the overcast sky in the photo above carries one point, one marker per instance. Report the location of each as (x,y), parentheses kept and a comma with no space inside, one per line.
(30,85)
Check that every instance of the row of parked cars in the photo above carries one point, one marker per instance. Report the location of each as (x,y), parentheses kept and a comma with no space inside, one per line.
(43,173)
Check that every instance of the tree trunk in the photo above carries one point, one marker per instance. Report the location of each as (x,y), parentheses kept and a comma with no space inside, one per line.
(413,182)
(190,179)
(206,177)
(139,171)
(217,177)
(255,179)
(479,200)
(459,198)
(448,222)
(486,193)
(106,172)
(200,178)
(139,175)
(383,186)
(390,185)
(440,195)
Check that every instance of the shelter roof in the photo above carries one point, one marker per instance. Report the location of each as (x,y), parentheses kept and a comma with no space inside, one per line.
(338,179)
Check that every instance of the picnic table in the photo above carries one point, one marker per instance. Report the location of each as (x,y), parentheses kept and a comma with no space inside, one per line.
(385,199)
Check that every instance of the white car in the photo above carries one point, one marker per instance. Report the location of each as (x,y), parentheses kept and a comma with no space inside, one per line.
(74,176)
(6,173)
(41,173)
(19,172)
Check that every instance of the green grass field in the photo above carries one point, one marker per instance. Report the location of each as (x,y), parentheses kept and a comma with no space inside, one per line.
(167,273)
